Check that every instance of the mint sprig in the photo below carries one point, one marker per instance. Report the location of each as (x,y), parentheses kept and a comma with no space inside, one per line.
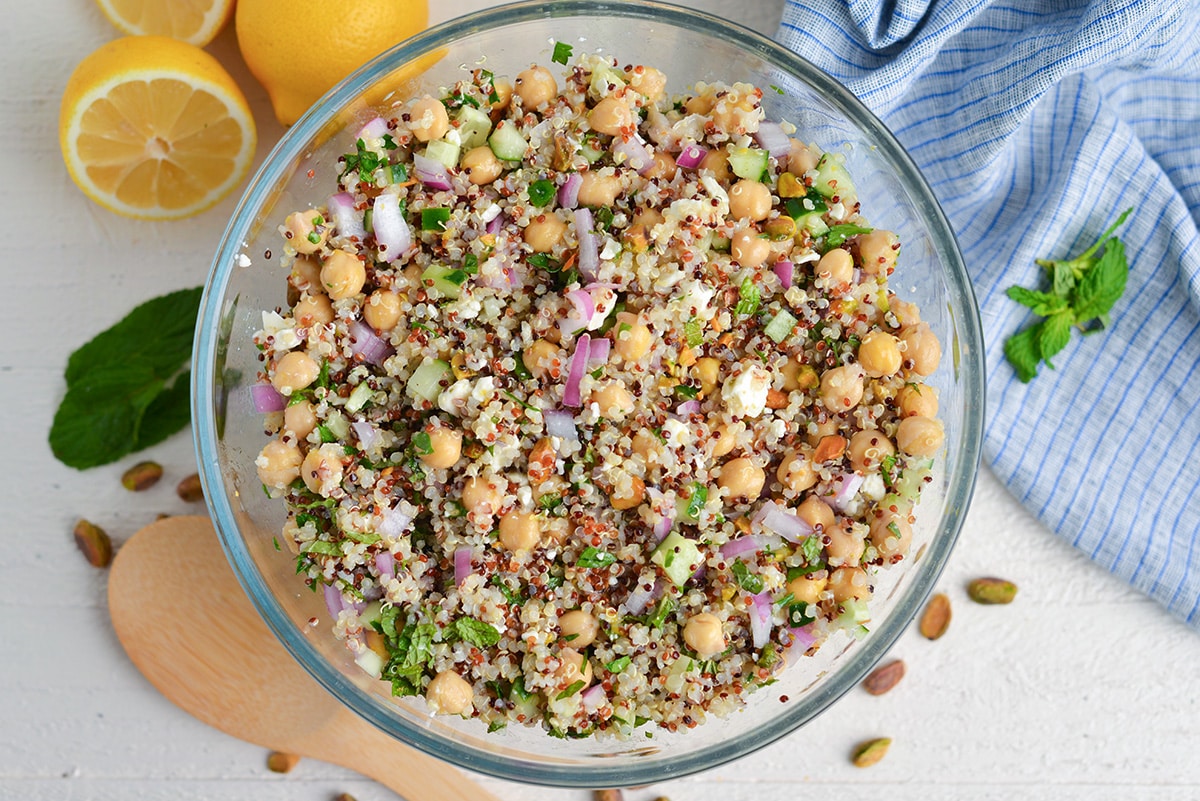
(1083,291)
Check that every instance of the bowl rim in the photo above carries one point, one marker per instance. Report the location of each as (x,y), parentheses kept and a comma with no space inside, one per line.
(968,362)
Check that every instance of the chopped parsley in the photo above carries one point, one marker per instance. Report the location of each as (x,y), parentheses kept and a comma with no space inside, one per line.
(686,392)
(594,557)
(666,605)
(541,192)
(697,500)
(748,581)
(811,549)
(366,161)
(562,53)
(888,471)
(840,233)
(422,443)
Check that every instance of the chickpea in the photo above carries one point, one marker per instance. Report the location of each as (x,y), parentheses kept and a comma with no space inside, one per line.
(628,498)
(482,496)
(922,351)
(717,163)
(535,86)
(825,428)
(376,642)
(703,634)
(800,159)
(544,232)
(449,694)
(797,375)
(731,113)
(647,218)
(807,589)
(481,165)
(598,189)
(708,372)
(291,534)
(849,582)
(278,463)
(868,448)
(632,338)
(574,667)
(877,251)
(750,200)
(382,310)
(891,534)
(749,248)
(313,310)
(579,628)
(520,531)
(322,468)
(724,438)
(613,399)
(611,116)
(647,446)
(796,472)
(842,387)
(343,275)
(663,166)
(427,119)
(920,436)
(305,230)
(917,400)
(447,447)
(700,104)
(295,371)
(742,478)
(300,418)
(543,359)
(907,313)
(647,81)
(306,275)
(504,93)
(845,544)
(816,512)
(836,268)
(879,354)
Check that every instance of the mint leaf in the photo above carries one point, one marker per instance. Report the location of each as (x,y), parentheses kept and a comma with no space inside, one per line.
(1103,284)
(1040,303)
(594,557)
(840,233)
(1023,352)
(1053,335)
(98,420)
(167,413)
(1063,279)
(476,632)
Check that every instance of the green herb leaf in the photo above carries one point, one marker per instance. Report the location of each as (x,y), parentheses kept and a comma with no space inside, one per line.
(594,557)
(1023,352)
(666,605)
(811,549)
(98,420)
(618,664)
(171,411)
(476,632)
(1041,303)
(1054,334)
(840,233)
(574,688)
(562,53)
(686,392)
(1103,284)
(541,192)
(697,500)
(750,582)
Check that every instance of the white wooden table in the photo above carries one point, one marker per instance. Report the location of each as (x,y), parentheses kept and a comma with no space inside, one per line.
(1081,689)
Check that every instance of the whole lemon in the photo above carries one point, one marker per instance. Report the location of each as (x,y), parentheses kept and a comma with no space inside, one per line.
(298,49)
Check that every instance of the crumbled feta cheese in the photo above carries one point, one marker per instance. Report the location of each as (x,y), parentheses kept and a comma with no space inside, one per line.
(677,433)
(284,337)
(745,394)
(453,399)
(873,487)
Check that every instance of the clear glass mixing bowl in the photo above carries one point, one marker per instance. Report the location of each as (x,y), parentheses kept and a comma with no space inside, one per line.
(689,47)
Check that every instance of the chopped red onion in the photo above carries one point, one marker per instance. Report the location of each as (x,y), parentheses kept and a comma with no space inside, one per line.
(782,522)
(585,305)
(394,523)
(571,394)
(802,638)
(375,129)
(848,485)
(368,435)
(635,153)
(385,564)
(392,233)
(688,408)
(347,221)
(493,226)
(663,527)
(771,138)
(589,248)
(700,573)
(786,272)
(267,399)
(366,344)
(431,173)
(560,424)
(760,618)
(740,547)
(690,157)
(593,697)
(333,601)
(462,565)
(598,352)
(640,598)
(568,193)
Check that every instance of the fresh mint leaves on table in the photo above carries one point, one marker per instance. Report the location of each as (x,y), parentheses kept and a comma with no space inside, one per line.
(127,388)
(1083,291)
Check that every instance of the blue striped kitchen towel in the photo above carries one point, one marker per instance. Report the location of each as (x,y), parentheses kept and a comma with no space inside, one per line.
(1037,123)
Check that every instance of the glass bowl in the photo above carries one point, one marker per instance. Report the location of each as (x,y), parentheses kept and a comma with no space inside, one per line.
(689,47)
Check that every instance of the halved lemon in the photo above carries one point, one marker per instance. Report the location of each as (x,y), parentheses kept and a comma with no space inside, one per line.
(155,128)
(193,21)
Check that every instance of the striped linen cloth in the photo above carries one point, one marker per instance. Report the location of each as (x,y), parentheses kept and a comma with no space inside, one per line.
(1036,124)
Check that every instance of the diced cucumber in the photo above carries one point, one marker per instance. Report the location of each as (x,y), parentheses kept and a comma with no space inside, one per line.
(748,162)
(832,178)
(908,486)
(605,81)
(677,674)
(425,382)
(589,152)
(813,223)
(473,127)
(678,557)
(337,424)
(443,152)
(371,662)
(507,143)
(780,326)
(358,397)
(446,280)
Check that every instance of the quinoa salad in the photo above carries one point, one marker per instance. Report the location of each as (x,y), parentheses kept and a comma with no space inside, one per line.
(591,405)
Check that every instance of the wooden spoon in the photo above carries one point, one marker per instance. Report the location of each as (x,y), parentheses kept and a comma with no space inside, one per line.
(189,628)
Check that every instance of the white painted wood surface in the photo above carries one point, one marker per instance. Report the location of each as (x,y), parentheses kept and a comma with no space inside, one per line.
(1081,689)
